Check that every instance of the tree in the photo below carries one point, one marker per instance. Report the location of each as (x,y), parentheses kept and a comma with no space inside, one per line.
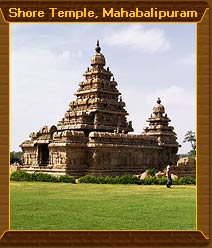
(190,137)
(15,157)
(191,154)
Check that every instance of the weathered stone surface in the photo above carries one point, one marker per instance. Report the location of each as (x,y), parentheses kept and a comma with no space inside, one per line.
(14,167)
(144,175)
(159,127)
(185,167)
(92,138)
(186,162)
(160,174)
(173,176)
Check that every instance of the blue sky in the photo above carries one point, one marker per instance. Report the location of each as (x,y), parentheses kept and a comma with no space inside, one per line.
(147,60)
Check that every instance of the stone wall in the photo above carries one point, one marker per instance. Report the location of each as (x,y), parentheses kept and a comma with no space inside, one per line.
(69,151)
(112,154)
(99,154)
(30,156)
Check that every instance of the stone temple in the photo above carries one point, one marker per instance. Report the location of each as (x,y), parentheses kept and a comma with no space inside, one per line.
(93,136)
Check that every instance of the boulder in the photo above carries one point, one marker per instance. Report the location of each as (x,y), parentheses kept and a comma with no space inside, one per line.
(160,174)
(188,162)
(173,176)
(144,175)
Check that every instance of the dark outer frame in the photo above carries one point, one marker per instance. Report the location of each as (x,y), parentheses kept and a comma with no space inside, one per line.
(116,238)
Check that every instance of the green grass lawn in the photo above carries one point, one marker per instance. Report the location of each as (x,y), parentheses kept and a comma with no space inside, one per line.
(61,206)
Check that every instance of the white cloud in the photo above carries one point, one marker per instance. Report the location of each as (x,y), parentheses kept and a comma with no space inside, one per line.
(42,59)
(41,82)
(150,40)
(188,60)
(173,95)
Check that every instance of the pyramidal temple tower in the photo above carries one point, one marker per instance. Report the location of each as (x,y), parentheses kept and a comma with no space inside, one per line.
(93,136)
(99,104)
(159,125)
(166,137)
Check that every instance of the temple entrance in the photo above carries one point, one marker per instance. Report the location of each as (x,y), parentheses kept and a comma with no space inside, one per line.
(43,152)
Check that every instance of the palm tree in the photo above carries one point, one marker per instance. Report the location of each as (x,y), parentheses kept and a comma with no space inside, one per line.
(190,137)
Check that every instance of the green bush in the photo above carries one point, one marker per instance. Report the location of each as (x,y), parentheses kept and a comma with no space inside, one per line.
(20,176)
(66,179)
(162,181)
(125,179)
(187,180)
(184,181)
(151,172)
(40,177)
(176,181)
(130,179)
(149,181)
(87,179)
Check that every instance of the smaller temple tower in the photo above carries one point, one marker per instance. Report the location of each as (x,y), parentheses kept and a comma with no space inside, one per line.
(159,127)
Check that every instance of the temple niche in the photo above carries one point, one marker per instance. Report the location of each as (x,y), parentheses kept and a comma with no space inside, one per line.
(93,137)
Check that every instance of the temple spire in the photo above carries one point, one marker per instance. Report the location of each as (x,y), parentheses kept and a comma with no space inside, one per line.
(98,106)
(159,125)
(98,58)
(98,48)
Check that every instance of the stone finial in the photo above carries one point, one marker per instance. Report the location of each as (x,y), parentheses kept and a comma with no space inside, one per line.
(98,48)
(130,124)
(158,109)
(98,58)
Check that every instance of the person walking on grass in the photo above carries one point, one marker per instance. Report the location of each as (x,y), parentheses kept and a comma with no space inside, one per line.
(168,176)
